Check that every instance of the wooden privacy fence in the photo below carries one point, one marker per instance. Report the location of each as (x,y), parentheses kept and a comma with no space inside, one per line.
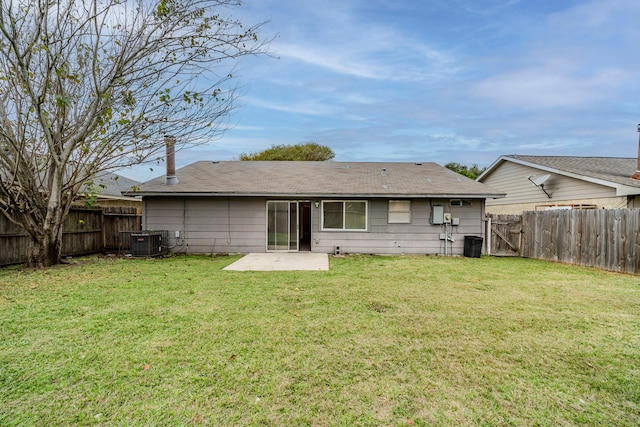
(607,239)
(116,222)
(82,232)
(85,231)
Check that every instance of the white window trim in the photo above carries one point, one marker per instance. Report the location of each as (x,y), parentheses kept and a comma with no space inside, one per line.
(408,212)
(344,213)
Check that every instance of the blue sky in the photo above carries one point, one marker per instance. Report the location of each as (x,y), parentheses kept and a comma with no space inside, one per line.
(437,80)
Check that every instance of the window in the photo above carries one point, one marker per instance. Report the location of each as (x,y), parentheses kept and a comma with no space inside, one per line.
(399,212)
(344,215)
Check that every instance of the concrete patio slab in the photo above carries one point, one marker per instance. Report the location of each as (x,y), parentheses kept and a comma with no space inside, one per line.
(281,261)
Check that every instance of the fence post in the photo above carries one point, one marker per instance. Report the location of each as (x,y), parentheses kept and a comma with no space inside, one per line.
(488,235)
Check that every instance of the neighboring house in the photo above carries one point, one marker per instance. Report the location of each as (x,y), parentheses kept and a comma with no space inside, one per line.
(561,182)
(263,206)
(108,188)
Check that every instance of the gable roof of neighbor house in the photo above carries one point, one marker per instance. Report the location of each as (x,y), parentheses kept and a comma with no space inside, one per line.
(307,179)
(612,172)
(112,186)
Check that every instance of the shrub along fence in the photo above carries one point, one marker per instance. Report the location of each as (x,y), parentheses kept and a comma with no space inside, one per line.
(85,231)
(604,238)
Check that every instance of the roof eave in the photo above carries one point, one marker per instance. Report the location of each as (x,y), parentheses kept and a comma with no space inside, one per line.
(625,190)
(123,197)
(321,195)
(491,168)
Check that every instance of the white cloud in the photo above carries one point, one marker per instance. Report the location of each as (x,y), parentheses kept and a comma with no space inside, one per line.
(342,41)
(598,15)
(487,7)
(576,58)
(310,107)
(330,59)
(402,63)
(549,87)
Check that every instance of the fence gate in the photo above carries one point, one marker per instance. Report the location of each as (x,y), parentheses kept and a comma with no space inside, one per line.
(506,234)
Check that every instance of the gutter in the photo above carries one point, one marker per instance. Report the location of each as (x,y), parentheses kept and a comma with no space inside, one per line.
(320,195)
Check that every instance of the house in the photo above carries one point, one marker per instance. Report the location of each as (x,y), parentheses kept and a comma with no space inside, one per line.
(107,189)
(329,207)
(561,182)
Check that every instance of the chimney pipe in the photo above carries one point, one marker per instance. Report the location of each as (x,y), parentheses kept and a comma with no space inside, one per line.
(170,142)
(636,175)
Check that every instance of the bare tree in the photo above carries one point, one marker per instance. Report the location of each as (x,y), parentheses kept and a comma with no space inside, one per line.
(93,85)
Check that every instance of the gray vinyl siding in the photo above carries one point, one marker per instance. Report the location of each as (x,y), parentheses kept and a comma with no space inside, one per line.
(418,237)
(162,213)
(511,178)
(207,224)
(238,225)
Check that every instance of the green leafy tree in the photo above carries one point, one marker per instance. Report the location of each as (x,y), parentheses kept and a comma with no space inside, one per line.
(307,151)
(472,172)
(88,86)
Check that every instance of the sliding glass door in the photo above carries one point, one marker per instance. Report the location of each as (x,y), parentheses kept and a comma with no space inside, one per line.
(282,226)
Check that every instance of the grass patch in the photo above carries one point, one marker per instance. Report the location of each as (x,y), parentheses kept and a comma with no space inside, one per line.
(374,341)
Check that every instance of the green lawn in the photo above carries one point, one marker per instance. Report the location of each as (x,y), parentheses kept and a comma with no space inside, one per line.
(375,341)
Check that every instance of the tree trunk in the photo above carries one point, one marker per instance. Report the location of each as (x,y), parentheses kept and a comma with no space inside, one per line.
(45,250)
(46,243)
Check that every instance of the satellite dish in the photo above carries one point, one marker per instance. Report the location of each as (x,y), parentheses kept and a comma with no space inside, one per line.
(540,180)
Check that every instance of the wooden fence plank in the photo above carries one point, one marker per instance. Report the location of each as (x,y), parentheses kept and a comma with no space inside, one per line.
(527,231)
(591,237)
(633,264)
(567,252)
(615,241)
(577,222)
(624,239)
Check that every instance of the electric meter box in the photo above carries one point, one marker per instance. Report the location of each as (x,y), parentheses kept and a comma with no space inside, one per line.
(437,214)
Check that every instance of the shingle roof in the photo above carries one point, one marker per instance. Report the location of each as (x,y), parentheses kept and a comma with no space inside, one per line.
(280,178)
(615,170)
(114,184)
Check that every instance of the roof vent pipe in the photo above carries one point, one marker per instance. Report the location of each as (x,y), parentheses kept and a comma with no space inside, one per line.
(636,175)
(170,142)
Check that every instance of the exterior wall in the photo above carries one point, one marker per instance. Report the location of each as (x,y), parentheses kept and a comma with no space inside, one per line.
(418,237)
(208,225)
(522,195)
(238,225)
